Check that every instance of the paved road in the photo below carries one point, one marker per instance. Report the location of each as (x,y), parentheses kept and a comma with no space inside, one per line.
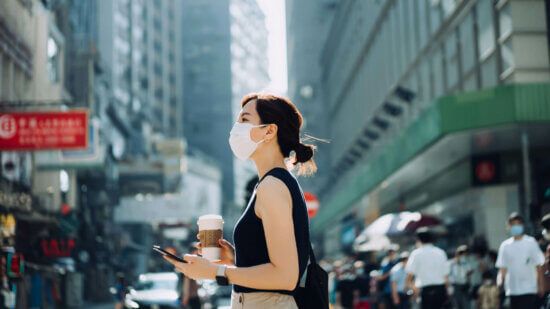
(99,306)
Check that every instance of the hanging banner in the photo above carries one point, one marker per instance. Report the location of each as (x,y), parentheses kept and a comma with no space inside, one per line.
(26,131)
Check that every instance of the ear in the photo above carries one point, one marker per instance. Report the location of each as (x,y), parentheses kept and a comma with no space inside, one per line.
(271,132)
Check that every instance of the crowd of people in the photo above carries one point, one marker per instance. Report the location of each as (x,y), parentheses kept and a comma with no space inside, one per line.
(470,276)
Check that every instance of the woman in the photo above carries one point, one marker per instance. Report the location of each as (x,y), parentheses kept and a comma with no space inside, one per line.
(272,235)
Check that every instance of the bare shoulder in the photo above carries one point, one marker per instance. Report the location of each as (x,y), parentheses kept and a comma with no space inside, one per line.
(271,194)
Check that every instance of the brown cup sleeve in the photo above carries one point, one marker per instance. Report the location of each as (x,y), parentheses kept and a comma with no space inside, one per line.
(210,238)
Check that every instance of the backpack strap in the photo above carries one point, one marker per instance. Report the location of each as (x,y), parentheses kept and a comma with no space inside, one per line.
(311,260)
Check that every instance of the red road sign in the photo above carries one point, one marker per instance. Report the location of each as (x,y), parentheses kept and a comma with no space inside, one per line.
(312,204)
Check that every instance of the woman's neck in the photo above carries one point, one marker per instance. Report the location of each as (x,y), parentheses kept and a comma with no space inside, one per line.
(267,163)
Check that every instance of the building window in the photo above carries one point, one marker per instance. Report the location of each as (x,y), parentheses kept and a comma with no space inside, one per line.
(449,7)
(438,77)
(425,82)
(423,24)
(505,21)
(489,72)
(470,82)
(507,56)
(435,16)
(486,39)
(467,46)
(451,60)
(53,60)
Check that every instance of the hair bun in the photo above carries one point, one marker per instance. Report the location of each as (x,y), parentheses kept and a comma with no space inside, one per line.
(304,152)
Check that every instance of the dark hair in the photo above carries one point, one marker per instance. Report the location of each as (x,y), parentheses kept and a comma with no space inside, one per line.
(424,235)
(282,112)
(515,217)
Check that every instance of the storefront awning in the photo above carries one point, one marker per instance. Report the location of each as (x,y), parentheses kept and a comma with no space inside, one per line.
(438,128)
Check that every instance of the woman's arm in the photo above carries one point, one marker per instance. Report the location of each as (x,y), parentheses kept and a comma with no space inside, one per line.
(274,207)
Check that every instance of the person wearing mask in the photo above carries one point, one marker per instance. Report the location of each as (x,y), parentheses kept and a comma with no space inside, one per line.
(427,271)
(520,263)
(383,279)
(272,242)
(459,276)
(545,223)
(398,282)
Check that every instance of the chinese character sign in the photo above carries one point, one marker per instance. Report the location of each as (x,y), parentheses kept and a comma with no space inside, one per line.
(44,130)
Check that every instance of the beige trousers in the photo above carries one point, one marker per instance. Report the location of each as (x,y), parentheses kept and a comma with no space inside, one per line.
(262,300)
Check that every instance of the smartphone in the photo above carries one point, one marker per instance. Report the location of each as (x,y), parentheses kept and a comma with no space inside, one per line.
(168,254)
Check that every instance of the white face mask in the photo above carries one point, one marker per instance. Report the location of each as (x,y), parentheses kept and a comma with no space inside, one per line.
(240,141)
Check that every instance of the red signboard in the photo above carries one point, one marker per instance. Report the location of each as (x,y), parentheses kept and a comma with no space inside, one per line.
(55,248)
(44,130)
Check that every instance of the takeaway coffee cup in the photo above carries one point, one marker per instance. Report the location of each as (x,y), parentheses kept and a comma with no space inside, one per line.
(210,232)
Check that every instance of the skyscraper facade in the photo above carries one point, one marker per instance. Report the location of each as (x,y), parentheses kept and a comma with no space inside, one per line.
(434,106)
(225,57)
(249,71)
(206,40)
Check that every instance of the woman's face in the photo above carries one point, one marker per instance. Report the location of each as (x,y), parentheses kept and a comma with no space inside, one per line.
(250,115)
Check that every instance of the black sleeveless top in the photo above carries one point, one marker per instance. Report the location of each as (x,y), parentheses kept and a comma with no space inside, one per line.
(249,236)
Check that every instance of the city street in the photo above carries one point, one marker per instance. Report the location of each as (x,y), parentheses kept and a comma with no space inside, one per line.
(403,145)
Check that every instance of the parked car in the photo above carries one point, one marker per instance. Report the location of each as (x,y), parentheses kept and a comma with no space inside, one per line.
(156,291)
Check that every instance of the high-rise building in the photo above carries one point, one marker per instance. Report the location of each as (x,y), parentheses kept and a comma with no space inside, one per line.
(140,43)
(224,48)
(434,106)
(207,83)
(249,72)
(307,24)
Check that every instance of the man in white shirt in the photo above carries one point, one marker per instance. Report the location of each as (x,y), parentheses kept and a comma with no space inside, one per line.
(427,270)
(520,262)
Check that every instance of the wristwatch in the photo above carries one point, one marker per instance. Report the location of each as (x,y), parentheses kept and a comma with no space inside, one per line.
(221,278)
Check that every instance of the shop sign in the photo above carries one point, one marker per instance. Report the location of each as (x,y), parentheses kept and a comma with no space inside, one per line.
(485,170)
(92,156)
(16,200)
(56,248)
(25,131)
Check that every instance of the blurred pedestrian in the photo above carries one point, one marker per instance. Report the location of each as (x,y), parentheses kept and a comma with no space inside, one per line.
(520,260)
(545,222)
(480,262)
(120,291)
(459,277)
(333,278)
(488,293)
(362,282)
(427,271)
(398,281)
(384,286)
(347,292)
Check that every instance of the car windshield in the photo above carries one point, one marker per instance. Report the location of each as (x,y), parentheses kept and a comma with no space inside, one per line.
(156,285)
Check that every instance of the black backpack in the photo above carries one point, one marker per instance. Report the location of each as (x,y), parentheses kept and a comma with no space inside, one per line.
(314,293)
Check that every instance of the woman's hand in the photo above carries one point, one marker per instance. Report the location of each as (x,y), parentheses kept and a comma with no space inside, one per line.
(227,255)
(196,268)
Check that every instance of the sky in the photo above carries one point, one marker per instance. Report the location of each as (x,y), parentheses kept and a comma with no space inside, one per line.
(275,22)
